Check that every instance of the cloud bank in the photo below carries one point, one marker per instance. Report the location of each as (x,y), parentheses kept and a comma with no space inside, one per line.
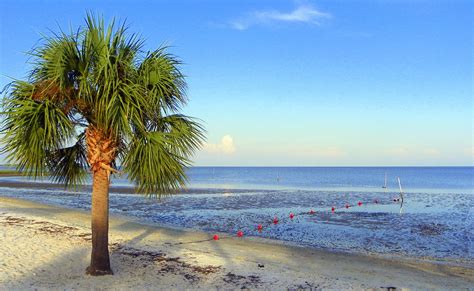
(226,146)
(301,14)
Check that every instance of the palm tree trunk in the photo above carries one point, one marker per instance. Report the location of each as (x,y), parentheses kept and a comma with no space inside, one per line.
(100,262)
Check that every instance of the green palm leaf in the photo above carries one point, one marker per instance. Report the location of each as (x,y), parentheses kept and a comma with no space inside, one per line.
(99,77)
(69,165)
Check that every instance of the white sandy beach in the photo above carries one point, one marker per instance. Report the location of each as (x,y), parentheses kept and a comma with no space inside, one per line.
(47,247)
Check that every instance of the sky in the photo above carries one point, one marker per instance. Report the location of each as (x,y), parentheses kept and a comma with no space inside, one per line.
(298,83)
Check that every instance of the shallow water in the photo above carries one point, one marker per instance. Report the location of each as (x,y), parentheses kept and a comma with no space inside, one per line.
(436,220)
(435,226)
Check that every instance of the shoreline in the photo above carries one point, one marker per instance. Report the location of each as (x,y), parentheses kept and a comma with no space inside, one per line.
(285,266)
(333,248)
(451,262)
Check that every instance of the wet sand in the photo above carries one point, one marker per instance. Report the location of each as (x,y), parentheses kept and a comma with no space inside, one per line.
(48,247)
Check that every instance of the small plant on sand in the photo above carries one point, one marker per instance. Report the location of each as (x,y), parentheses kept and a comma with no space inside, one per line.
(95,99)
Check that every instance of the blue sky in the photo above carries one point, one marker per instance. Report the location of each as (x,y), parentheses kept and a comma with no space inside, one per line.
(302,83)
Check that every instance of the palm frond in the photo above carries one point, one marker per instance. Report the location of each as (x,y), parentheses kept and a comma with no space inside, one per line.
(31,129)
(69,165)
(154,165)
(187,134)
(56,61)
(165,84)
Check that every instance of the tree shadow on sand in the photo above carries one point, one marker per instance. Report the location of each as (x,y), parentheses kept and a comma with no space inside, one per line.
(148,256)
(135,263)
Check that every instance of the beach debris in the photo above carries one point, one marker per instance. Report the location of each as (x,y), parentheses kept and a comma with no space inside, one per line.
(260,227)
(305,286)
(291,215)
(215,237)
(173,265)
(376,201)
(139,253)
(240,233)
(190,277)
(275,220)
(45,226)
(261,265)
(245,281)
(359,203)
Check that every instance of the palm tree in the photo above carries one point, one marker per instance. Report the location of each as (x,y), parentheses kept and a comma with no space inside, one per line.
(95,99)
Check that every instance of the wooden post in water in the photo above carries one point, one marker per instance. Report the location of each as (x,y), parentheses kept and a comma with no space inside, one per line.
(401,194)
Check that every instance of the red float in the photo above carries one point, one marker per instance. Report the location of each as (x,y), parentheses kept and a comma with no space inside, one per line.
(333,209)
(275,220)
(311,211)
(259,227)
(240,233)
(292,215)
(359,203)
(347,206)
(216,237)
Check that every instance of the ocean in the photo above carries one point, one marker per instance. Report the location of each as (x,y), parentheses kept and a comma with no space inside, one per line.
(434,223)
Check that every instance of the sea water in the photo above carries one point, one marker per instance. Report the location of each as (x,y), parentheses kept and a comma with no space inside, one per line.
(435,221)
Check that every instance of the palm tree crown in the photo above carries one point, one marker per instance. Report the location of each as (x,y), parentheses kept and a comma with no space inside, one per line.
(95,98)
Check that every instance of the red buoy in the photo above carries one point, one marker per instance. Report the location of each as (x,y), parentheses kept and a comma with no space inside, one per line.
(311,211)
(291,215)
(259,227)
(333,209)
(240,233)
(347,206)
(275,220)
(216,237)
(359,203)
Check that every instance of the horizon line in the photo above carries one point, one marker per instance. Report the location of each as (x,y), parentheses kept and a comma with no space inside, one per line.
(327,166)
(318,166)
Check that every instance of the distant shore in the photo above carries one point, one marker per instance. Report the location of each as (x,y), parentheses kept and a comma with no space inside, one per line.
(84,188)
(10,173)
(48,247)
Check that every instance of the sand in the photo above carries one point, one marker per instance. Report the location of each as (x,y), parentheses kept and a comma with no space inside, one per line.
(48,247)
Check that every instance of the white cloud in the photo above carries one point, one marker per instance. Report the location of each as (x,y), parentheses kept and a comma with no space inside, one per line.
(226,146)
(301,14)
